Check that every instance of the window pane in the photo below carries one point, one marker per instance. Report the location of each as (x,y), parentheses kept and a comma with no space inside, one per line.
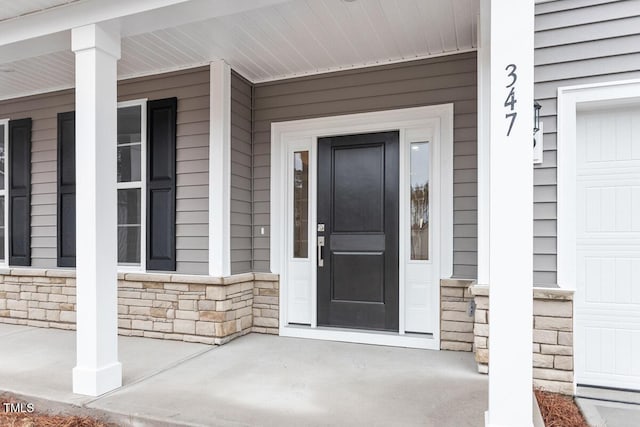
(129,125)
(2,157)
(129,214)
(129,166)
(420,201)
(301,204)
(129,244)
(129,206)
(2,227)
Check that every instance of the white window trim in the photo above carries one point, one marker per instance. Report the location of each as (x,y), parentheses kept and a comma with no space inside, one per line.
(302,135)
(142,268)
(5,193)
(569,100)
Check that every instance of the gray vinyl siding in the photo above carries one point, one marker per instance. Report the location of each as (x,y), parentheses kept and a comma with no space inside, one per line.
(241,155)
(426,82)
(576,42)
(191,87)
(43,110)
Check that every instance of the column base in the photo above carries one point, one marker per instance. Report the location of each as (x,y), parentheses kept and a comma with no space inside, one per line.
(94,382)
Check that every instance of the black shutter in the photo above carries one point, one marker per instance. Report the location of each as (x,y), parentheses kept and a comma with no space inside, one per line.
(20,192)
(67,189)
(161,184)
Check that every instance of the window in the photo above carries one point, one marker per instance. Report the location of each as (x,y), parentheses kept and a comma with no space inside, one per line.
(131,182)
(301,204)
(4,184)
(420,200)
(146,236)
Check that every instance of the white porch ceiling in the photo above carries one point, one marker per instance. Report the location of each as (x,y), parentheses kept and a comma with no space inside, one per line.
(285,39)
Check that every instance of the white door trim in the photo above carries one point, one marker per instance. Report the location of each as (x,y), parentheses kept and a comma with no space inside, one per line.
(303,134)
(570,98)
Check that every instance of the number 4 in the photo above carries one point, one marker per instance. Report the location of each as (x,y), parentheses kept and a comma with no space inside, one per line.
(511,100)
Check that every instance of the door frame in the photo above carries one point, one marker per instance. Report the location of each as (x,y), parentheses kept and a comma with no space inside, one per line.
(290,136)
(570,100)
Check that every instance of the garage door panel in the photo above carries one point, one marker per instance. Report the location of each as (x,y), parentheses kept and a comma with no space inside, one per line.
(609,208)
(608,137)
(607,300)
(610,278)
(605,366)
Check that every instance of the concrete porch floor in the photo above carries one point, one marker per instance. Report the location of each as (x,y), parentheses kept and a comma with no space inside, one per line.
(253,380)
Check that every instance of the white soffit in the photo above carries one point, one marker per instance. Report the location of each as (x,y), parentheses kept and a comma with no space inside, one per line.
(280,40)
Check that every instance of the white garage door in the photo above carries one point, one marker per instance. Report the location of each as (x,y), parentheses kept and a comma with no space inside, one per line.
(607,332)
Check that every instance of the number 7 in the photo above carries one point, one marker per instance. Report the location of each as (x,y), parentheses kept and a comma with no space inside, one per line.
(513,119)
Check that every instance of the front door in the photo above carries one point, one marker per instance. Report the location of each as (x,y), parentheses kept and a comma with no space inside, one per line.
(358,220)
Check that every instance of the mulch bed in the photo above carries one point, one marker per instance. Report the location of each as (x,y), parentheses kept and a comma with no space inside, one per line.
(559,410)
(37,419)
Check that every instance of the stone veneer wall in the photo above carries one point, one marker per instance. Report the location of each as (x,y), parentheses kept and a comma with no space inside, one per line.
(552,337)
(456,326)
(210,310)
(266,305)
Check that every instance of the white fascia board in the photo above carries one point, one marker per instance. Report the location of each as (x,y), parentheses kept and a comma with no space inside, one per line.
(73,15)
(48,31)
(37,46)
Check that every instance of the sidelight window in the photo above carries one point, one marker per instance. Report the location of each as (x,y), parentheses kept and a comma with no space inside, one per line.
(301,204)
(131,173)
(419,181)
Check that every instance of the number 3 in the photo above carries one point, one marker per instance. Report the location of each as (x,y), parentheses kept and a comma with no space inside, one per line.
(512,74)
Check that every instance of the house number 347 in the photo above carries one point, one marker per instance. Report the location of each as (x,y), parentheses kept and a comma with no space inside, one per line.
(510,101)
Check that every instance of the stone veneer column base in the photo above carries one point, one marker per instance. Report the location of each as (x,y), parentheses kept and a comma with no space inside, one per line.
(203,309)
(456,325)
(552,337)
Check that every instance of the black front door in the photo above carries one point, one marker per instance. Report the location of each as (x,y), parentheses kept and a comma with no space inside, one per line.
(358,207)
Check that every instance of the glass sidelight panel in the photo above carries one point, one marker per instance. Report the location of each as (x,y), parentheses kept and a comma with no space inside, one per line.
(301,204)
(419,173)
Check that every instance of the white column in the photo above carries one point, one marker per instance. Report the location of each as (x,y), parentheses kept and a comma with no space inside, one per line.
(511,213)
(220,169)
(484,88)
(97,49)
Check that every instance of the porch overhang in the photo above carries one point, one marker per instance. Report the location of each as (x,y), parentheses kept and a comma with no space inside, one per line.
(262,40)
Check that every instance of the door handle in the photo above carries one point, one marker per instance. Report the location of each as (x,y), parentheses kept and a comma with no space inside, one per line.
(320,251)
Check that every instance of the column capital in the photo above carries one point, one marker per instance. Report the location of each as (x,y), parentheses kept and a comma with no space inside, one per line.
(104,36)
